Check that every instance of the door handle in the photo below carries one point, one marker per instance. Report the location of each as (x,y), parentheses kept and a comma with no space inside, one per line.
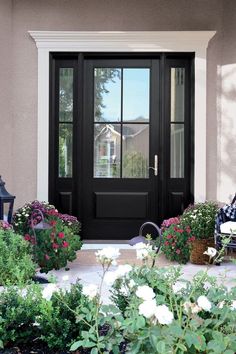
(155,168)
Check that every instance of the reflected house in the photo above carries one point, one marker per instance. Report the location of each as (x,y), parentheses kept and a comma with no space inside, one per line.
(135,148)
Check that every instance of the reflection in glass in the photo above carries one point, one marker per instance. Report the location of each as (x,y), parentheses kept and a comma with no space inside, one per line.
(177,151)
(66,95)
(177,94)
(136,95)
(107,150)
(65,150)
(107,95)
(135,146)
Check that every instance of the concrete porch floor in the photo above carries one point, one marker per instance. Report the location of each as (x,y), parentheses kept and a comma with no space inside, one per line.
(89,271)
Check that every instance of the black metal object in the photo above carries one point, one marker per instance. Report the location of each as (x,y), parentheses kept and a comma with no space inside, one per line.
(141,238)
(42,225)
(7,200)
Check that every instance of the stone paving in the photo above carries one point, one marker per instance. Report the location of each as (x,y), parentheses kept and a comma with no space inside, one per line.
(88,271)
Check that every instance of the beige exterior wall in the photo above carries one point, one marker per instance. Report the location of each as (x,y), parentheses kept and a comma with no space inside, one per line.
(18,83)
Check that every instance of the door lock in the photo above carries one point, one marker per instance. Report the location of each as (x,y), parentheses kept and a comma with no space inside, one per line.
(155,168)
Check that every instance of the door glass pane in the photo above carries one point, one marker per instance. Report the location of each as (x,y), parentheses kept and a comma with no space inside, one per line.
(177,151)
(66,95)
(136,85)
(177,94)
(65,149)
(107,95)
(135,148)
(107,150)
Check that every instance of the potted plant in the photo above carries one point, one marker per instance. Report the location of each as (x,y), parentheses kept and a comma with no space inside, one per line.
(200,218)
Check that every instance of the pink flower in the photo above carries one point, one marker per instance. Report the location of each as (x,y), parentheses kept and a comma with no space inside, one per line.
(55,245)
(169,236)
(178,251)
(180,231)
(61,235)
(27,237)
(166,243)
(188,229)
(47,257)
(65,244)
(53,222)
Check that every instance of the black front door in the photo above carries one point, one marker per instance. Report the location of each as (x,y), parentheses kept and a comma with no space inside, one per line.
(121,140)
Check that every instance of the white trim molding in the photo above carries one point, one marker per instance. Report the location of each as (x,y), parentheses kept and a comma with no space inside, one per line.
(138,41)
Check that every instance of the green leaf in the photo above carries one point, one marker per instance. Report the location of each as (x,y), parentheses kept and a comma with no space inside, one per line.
(94,351)
(1,344)
(76,345)
(229,352)
(161,347)
(182,347)
(140,322)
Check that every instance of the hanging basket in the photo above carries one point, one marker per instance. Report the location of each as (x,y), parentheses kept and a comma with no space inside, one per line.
(198,248)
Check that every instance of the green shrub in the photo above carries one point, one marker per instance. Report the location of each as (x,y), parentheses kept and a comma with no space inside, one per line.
(18,311)
(57,319)
(16,265)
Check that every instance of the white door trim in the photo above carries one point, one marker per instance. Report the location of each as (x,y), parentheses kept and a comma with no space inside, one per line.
(138,41)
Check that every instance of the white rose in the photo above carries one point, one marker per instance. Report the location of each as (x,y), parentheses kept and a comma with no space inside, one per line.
(221,304)
(163,315)
(143,250)
(49,290)
(145,292)
(90,290)
(107,255)
(211,252)
(233,305)
(147,308)
(110,278)
(204,303)
(123,270)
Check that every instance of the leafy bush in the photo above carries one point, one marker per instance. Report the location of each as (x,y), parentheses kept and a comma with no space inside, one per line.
(16,264)
(18,311)
(58,318)
(176,244)
(200,218)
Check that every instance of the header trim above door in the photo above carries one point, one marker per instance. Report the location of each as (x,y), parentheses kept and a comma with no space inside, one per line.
(138,41)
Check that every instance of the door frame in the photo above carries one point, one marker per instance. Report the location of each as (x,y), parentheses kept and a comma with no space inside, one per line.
(137,41)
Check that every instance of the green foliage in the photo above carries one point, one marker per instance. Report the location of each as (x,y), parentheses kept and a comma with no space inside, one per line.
(201,219)
(18,312)
(58,318)
(176,243)
(16,264)
(134,165)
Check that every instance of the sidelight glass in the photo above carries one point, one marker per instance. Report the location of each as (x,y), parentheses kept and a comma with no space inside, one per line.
(65,149)
(135,151)
(177,151)
(66,95)
(177,94)
(107,139)
(136,86)
(107,95)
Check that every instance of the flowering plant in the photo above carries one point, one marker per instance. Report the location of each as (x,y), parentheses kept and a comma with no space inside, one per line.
(22,218)
(200,218)
(4,225)
(177,240)
(54,247)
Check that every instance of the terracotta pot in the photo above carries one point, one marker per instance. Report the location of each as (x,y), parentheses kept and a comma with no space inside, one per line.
(198,248)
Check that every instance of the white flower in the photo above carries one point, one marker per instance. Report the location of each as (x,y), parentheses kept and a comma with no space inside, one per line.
(49,290)
(178,286)
(143,250)
(221,304)
(189,306)
(123,270)
(90,290)
(233,305)
(131,283)
(65,277)
(204,303)
(145,292)
(107,255)
(195,308)
(124,290)
(211,252)
(147,308)
(110,278)
(163,315)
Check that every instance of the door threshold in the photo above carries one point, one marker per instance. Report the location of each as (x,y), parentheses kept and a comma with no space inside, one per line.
(94,245)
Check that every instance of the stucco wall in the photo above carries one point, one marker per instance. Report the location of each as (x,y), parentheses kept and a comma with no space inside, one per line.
(5,92)
(108,15)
